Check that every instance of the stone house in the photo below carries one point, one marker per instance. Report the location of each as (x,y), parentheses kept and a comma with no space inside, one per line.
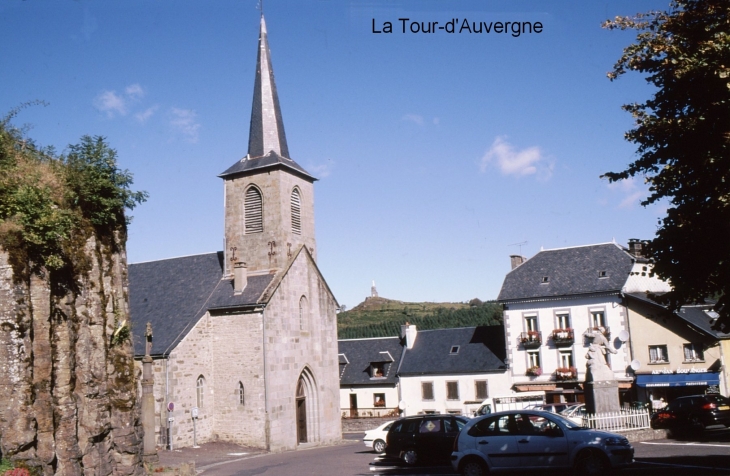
(245,340)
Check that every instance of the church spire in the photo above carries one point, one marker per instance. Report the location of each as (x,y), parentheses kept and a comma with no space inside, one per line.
(267,128)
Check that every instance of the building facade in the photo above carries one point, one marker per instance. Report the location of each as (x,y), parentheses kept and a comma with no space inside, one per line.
(245,340)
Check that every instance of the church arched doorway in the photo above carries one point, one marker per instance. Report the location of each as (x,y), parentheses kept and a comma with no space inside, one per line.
(306,408)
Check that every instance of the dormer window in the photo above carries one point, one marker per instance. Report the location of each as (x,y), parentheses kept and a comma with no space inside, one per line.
(545,280)
(377,370)
(454,350)
(602,274)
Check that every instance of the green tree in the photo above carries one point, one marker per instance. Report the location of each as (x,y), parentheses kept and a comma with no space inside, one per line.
(682,135)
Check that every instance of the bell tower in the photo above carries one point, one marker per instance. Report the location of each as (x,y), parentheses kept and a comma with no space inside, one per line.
(268,198)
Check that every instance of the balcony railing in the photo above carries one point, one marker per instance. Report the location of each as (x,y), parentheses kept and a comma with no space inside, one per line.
(374,412)
(606,331)
(563,337)
(566,373)
(531,339)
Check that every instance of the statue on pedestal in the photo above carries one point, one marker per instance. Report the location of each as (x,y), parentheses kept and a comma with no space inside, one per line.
(597,369)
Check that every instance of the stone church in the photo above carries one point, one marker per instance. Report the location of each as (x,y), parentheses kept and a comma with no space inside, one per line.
(245,340)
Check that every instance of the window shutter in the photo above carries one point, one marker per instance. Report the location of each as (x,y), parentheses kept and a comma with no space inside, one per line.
(296,213)
(481,389)
(253,214)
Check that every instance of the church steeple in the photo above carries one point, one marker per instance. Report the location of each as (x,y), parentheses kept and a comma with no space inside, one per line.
(269,198)
(267,127)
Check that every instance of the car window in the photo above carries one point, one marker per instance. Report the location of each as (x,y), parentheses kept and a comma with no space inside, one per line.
(487,426)
(524,425)
(387,427)
(450,425)
(430,425)
(545,426)
(460,423)
(719,399)
(397,426)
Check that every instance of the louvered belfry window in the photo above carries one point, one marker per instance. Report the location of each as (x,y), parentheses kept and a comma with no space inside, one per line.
(296,212)
(253,212)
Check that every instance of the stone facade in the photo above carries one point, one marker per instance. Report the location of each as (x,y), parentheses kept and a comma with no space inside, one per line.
(274,247)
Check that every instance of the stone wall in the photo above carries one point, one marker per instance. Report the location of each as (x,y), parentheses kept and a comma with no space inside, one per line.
(68,398)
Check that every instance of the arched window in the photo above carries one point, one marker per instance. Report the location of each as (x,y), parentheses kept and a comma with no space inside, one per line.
(200,390)
(240,394)
(302,312)
(253,211)
(296,212)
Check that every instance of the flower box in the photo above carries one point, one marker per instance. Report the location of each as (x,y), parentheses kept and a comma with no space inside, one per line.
(533,371)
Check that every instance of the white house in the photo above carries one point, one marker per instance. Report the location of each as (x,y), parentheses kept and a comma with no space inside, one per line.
(553,300)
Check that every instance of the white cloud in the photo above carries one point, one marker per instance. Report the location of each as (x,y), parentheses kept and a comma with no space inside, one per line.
(436,121)
(110,103)
(632,192)
(321,170)
(134,91)
(146,114)
(414,118)
(511,161)
(184,121)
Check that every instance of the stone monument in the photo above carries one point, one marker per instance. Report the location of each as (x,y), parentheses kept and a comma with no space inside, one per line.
(601,387)
(149,453)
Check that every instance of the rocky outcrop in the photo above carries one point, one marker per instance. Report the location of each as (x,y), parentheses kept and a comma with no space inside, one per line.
(68,397)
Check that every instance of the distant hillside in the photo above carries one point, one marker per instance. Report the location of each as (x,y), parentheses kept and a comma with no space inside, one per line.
(380,317)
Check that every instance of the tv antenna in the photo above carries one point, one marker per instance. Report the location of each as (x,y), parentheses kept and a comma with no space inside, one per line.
(520,244)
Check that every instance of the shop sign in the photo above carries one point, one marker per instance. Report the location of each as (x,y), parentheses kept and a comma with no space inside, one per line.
(680,370)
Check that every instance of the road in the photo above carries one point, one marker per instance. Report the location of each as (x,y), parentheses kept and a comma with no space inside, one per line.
(710,456)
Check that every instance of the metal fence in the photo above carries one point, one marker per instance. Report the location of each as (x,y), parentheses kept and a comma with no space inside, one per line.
(626,419)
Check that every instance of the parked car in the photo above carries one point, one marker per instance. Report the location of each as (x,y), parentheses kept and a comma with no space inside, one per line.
(525,440)
(551,407)
(423,438)
(695,412)
(375,438)
(575,413)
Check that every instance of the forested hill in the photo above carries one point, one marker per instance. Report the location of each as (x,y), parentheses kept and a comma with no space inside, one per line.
(380,317)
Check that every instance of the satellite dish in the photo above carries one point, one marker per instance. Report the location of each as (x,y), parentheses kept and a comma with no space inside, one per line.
(402,405)
(623,336)
(635,364)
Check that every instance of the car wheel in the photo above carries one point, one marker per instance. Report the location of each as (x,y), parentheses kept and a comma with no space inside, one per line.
(473,467)
(591,463)
(696,424)
(379,446)
(410,457)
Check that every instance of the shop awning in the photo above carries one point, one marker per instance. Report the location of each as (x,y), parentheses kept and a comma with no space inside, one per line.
(678,380)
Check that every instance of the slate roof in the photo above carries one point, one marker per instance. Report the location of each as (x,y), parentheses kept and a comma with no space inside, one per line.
(569,271)
(173,294)
(357,354)
(481,349)
(249,165)
(695,315)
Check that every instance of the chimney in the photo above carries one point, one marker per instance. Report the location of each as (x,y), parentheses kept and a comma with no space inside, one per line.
(516,260)
(240,277)
(635,248)
(408,332)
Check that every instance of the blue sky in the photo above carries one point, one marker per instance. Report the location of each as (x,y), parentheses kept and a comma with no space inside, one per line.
(436,153)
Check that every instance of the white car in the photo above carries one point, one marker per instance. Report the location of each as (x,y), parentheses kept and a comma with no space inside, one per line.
(575,413)
(524,440)
(376,438)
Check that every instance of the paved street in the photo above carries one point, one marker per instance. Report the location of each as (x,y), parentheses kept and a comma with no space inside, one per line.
(708,455)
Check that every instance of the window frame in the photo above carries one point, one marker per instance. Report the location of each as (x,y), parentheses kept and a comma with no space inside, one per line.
(476,389)
(200,391)
(427,387)
(663,350)
(533,358)
(452,390)
(696,349)
(562,318)
(530,322)
(241,394)
(296,211)
(253,220)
